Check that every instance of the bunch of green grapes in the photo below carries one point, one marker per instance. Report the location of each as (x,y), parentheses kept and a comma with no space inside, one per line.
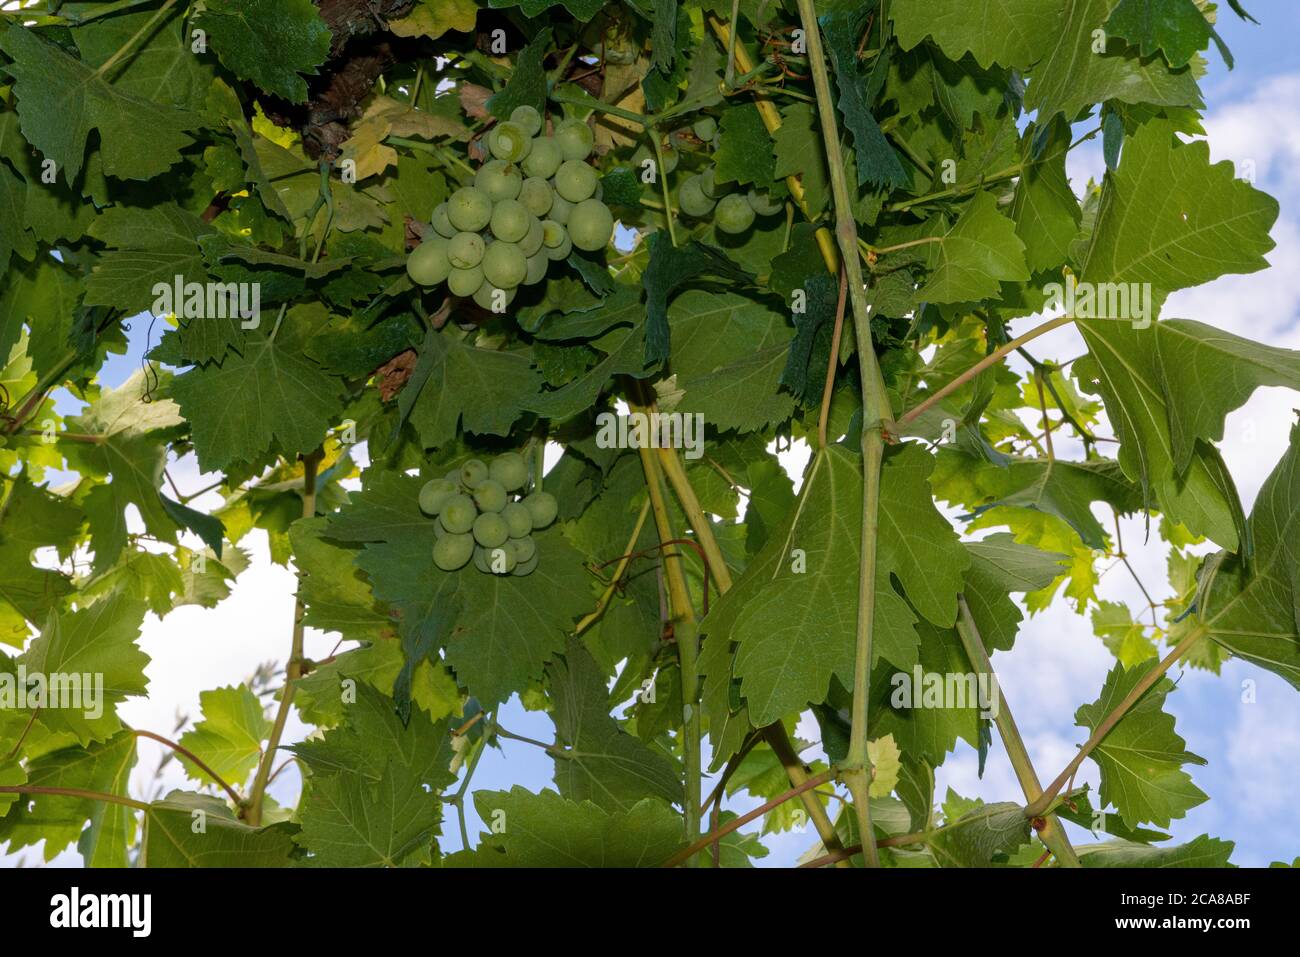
(482,516)
(532,203)
(700,195)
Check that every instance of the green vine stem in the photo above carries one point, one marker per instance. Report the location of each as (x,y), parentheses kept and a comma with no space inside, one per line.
(1052,832)
(74,792)
(876,414)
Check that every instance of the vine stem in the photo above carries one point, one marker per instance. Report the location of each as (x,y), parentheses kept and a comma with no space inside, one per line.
(193,758)
(1038,807)
(688,852)
(1052,833)
(588,620)
(992,359)
(683,617)
(293,670)
(875,415)
(74,792)
(656,139)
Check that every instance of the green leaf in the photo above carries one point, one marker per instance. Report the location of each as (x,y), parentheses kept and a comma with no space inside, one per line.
(601,762)
(670,267)
(546,830)
(1071,77)
(745,154)
(270,42)
(335,594)
(1000,565)
(1045,210)
(148,246)
(527,86)
(1204,851)
(173,838)
(1123,637)
(981,836)
(1175,28)
(270,399)
(1141,758)
(975,256)
(161,67)
(810,352)
(1011,33)
(229,738)
(61,99)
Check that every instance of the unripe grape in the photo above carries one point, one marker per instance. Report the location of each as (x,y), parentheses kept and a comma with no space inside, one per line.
(561,209)
(435,494)
(465,251)
(537,195)
(671,158)
(428,264)
(704,128)
(526,568)
(500,560)
(526,118)
(576,181)
(537,266)
(482,557)
(518,519)
(542,507)
(441,224)
(458,514)
(532,240)
(469,209)
(591,225)
(490,496)
(509,220)
(490,530)
(510,469)
(524,548)
(555,254)
(711,187)
(508,141)
(492,298)
(575,139)
(473,473)
(498,180)
(453,551)
(763,203)
(544,158)
(552,233)
(453,477)
(465,282)
(733,214)
(691,198)
(504,265)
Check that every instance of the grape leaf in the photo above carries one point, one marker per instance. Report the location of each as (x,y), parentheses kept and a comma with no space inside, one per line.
(148,247)
(229,738)
(1175,28)
(433,18)
(981,836)
(671,266)
(61,99)
(171,840)
(745,153)
(1012,33)
(162,67)
(1203,851)
(975,256)
(1000,565)
(270,42)
(1045,210)
(527,86)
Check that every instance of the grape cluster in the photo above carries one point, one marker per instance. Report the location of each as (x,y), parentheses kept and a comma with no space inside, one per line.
(479,517)
(700,195)
(534,201)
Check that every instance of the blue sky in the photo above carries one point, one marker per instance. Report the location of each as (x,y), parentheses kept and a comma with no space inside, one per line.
(1253,113)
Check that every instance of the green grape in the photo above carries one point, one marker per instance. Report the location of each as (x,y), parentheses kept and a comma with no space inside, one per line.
(509,141)
(733,214)
(575,180)
(575,139)
(441,224)
(504,265)
(490,530)
(473,473)
(493,299)
(544,158)
(537,264)
(435,494)
(453,477)
(482,559)
(591,225)
(763,204)
(532,240)
(458,514)
(500,560)
(518,519)
(537,195)
(453,551)
(561,251)
(711,187)
(510,469)
(490,496)
(524,548)
(542,507)
(526,118)
(671,158)
(561,209)
(704,128)
(691,198)
(469,209)
(509,220)
(465,282)
(528,567)
(465,251)
(499,180)
(428,264)
(552,233)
